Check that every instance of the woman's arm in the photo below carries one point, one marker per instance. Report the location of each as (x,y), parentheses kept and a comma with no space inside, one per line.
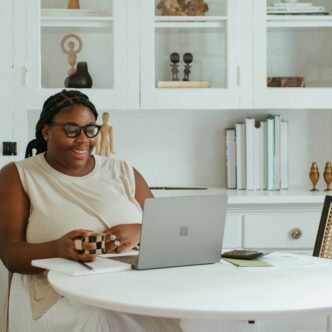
(15,252)
(142,189)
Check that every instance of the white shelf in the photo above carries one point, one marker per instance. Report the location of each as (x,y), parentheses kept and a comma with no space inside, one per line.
(75,18)
(300,21)
(190,21)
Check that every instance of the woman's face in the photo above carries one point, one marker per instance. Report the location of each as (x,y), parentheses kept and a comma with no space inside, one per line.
(71,156)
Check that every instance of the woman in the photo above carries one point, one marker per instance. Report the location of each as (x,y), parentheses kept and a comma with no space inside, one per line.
(50,199)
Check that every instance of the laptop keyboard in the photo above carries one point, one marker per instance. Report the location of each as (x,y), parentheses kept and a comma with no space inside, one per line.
(130,259)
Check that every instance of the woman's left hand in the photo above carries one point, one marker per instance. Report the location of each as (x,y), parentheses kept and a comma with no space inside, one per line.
(122,238)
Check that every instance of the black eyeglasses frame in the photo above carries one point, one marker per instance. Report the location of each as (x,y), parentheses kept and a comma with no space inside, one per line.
(79,131)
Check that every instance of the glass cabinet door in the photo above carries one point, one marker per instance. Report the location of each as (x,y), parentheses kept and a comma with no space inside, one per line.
(93,36)
(293,54)
(188,58)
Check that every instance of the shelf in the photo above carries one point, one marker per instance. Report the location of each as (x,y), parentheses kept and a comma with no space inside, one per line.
(190,21)
(303,21)
(75,18)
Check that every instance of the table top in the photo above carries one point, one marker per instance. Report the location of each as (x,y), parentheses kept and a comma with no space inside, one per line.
(295,285)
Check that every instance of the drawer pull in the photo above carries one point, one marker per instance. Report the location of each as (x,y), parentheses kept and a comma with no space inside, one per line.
(295,233)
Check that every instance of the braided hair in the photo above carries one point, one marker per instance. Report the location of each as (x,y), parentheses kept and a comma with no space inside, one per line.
(52,106)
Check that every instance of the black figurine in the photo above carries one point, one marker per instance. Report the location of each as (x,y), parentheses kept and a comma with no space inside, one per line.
(175,59)
(187,58)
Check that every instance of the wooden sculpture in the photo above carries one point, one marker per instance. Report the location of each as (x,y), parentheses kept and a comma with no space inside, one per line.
(104,146)
(71,44)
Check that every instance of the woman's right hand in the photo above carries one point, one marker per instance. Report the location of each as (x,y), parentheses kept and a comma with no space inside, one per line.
(65,246)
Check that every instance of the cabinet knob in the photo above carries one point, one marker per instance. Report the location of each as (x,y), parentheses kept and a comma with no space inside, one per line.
(295,233)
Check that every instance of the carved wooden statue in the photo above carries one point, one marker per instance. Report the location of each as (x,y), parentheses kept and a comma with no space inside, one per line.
(104,146)
(71,44)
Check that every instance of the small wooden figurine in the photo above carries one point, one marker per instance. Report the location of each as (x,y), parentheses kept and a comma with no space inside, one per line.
(314,176)
(105,145)
(73,46)
(328,175)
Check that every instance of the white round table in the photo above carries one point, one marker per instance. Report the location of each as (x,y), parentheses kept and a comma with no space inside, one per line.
(208,297)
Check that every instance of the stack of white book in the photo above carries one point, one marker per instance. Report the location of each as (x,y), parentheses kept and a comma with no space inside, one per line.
(297,8)
(257,154)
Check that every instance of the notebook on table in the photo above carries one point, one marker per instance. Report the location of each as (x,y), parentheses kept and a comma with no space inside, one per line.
(180,231)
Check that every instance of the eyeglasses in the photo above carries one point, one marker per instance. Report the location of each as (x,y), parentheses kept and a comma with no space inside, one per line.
(73,130)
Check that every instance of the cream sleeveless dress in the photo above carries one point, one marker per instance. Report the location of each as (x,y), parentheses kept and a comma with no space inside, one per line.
(60,203)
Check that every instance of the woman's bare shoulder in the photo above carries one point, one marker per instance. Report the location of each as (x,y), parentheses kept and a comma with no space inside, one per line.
(9,173)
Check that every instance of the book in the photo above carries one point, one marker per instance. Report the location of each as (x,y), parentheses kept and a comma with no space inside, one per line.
(285,82)
(301,14)
(270,153)
(250,175)
(277,183)
(241,173)
(296,4)
(284,154)
(73,268)
(230,158)
(295,9)
(257,156)
(263,161)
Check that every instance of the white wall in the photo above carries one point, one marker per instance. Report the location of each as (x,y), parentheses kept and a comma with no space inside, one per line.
(188,147)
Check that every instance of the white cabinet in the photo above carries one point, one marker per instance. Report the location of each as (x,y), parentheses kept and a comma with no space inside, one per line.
(213,40)
(292,46)
(102,27)
(127,46)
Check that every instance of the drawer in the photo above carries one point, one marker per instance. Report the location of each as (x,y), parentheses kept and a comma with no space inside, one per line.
(280,230)
(233,231)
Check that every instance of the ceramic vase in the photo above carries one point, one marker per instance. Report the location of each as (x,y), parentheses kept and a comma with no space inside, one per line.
(81,78)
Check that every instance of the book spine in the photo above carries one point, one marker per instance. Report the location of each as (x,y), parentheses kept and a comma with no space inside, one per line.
(284,154)
(297,4)
(250,126)
(270,153)
(230,158)
(277,184)
(316,9)
(241,175)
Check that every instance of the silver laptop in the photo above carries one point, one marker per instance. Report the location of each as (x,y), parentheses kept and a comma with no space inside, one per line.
(180,231)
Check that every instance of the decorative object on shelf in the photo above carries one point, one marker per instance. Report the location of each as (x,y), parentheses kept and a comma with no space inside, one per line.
(328,176)
(188,59)
(314,176)
(184,84)
(175,59)
(323,244)
(196,8)
(171,8)
(81,78)
(73,4)
(182,7)
(104,146)
(285,82)
(71,44)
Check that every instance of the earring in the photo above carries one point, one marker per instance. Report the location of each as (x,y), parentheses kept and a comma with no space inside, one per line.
(45,138)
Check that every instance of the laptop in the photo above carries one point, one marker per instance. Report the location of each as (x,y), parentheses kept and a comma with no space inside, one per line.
(180,231)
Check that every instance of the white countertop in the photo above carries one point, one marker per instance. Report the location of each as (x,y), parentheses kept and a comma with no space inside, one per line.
(239,197)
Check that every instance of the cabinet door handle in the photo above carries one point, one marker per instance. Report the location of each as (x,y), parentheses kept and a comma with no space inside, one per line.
(295,233)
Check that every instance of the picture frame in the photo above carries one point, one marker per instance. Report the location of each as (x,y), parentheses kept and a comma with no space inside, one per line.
(323,244)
